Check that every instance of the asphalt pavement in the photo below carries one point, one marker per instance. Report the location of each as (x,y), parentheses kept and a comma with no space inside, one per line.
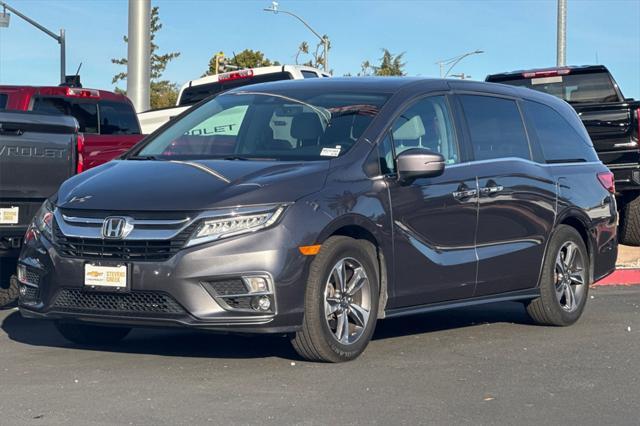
(481,365)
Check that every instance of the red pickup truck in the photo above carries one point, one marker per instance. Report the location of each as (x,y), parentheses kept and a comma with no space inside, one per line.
(108,123)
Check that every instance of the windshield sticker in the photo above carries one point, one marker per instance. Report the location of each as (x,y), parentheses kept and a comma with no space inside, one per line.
(546,80)
(330,152)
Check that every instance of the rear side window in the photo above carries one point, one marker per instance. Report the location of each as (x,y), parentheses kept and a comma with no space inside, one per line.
(3,100)
(558,140)
(195,94)
(309,74)
(496,127)
(85,112)
(117,118)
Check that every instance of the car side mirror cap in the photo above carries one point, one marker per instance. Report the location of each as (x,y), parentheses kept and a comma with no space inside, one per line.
(418,163)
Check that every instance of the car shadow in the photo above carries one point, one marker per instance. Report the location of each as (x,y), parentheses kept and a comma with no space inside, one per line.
(190,343)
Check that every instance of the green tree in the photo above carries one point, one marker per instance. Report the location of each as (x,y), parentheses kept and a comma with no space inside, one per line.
(248,58)
(317,57)
(163,92)
(390,64)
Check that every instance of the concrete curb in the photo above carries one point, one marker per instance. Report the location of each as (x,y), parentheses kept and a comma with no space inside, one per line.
(629,276)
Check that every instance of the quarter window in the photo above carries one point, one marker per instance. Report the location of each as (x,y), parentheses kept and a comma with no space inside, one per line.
(496,127)
(3,100)
(558,140)
(427,125)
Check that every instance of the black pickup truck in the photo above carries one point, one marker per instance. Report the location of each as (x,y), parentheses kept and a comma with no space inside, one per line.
(37,153)
(613,122)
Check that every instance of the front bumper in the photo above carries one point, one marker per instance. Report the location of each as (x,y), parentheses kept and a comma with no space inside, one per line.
(173,292)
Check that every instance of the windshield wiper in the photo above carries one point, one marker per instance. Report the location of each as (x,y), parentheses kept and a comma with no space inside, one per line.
(143,158)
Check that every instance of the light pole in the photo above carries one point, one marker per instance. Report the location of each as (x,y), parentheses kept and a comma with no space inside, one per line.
(561,42)
(138,54)
(323,39)
(454,61)
(59,38)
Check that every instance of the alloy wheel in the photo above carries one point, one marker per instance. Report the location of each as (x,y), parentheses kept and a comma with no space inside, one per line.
(570,277)
(347,301)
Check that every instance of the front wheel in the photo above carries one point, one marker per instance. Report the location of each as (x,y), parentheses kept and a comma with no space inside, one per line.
(564,284)
(91,335)
(341,301)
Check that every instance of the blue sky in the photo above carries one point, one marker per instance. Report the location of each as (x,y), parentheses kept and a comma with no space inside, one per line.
(515,34)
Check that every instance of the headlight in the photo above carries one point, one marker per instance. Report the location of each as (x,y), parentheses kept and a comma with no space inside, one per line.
(236,224)
(43,221)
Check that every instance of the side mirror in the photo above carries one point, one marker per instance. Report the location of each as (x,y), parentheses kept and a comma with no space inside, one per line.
(419,163)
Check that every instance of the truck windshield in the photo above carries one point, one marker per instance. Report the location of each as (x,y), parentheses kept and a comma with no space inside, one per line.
(268,126)
(574,88)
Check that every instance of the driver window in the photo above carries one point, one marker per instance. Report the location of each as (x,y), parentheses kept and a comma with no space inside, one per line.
(427,125)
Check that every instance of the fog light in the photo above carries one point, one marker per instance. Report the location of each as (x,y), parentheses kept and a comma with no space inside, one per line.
(23,290)
(256,284)
(262,303)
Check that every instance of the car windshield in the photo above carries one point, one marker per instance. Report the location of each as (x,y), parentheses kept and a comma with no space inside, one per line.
(279,126)
(575,88)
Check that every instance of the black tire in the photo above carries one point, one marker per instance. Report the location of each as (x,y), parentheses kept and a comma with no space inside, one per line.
(91,335)
(547,309)
(629,229)
(9,295)
(316,341)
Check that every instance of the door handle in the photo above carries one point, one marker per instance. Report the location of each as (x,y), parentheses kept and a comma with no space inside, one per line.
(460,195)
(489,190)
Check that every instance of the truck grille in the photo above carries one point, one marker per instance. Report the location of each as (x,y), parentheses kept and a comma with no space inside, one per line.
(138,303)
(97,248)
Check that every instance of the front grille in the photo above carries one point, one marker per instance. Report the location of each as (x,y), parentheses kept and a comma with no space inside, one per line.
(227,287)
(32,277)
(238,302)
(97,248)
(29,294)
(137,303)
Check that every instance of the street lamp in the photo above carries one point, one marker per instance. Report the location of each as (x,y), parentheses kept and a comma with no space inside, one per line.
(4,22)
(454,61)
(323,39)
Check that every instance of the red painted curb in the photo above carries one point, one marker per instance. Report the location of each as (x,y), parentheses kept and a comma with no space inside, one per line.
(621,277)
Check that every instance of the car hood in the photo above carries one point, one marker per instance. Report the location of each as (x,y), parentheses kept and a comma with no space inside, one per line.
(190,185)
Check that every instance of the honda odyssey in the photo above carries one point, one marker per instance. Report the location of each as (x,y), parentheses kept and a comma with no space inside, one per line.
(316,207)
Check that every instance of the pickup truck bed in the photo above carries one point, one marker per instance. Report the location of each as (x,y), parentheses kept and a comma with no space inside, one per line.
(37,153)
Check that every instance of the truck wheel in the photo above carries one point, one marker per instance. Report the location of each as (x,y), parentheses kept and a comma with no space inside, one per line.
(629,229)
(341,301)
(10,294)
(564,284)
(91,335)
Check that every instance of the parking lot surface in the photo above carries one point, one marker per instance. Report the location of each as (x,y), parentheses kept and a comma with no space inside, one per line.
(481,365)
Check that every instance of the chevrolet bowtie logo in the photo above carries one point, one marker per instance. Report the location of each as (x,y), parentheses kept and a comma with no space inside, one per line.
(117,227)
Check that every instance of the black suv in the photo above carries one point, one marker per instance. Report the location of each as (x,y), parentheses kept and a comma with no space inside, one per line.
(317,207)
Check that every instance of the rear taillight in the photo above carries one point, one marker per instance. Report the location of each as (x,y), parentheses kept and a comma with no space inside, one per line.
(546,73)
(607,180)
(80,153)
(638,125)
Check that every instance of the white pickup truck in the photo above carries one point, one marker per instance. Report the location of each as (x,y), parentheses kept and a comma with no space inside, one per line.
(194,91)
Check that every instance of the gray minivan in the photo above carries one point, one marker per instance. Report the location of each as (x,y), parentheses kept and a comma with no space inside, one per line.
(316,207)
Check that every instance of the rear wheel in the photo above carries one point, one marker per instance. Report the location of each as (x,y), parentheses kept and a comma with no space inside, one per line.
(564,284)
(341,301)
(629,229)
(91,335)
